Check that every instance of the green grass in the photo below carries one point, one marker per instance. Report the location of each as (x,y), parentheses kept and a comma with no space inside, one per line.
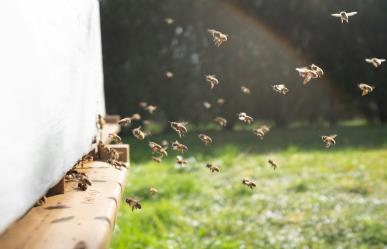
(317,198)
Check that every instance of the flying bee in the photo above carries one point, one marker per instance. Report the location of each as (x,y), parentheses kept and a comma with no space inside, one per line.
(261,131)
(344,16)
(329,140)
(217,37)
(207,105)
(181,148)
(154,147)
(179,127)
(157,159)
(375,61)
(281,88)
(133,203)
(135,116)
(164,143)
(169,20)
(310,72)
(137,133)
(249,183)
(169,74)
(115,138)
(153,191)
(366,89)
(181,161)
(205,139)
(220,101)
(212,167)
(212,80)
(273,164)
(245,90)
(220,121)
(143,104)
(151,109)
(125,121)
(245,118)
(100,122)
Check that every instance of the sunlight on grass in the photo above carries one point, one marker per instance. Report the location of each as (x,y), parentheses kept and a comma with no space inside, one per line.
(317,198)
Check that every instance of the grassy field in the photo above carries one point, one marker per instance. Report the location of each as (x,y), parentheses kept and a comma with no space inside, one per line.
(317,198)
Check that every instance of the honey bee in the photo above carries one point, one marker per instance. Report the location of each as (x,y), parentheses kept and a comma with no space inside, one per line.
(154,147)
(310,72)
(100,122)
(85,159)
(151,109)
(83,182)
(261,131)
(366,89)
(125,121)
(281,88)
(217,37)
(133,203)
(344,16)
(207,105)
(169,20)
(135,116)
(113,153)
(205,139)
(137,133)
(375,61)
(212,80)
(179,128)
(329,140)
(164,143)
(157,159)
(220,101)
(153,191)
(245,118)
(143,104)
(41,201)
(220,121)
(181,148)
(181,161)
(212,167)
(245,90)
(249,183)
(169,74)
(117,164)
(273,164)
(115,138)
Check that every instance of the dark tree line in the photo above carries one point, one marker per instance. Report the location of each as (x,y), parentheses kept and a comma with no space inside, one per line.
(268,39)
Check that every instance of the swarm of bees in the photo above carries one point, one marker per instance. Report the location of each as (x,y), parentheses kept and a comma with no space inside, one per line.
(329,141)
(249,183)
(220,121)
(212,80)
(205,139)
(261,131)
(213,168)
(242,116)
(217,37)
(310,72)
(281,88)
(366,89)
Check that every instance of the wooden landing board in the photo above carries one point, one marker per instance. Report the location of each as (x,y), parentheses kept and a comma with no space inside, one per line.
(65,220)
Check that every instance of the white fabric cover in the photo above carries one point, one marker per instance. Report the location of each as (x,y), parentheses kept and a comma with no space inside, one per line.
(51,89)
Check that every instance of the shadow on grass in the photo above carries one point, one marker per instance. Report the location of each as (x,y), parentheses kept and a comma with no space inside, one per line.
(291,139)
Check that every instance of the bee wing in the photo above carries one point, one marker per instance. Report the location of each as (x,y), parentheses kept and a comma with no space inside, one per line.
(368,60)
(351,13)
(336,15)
(382,60)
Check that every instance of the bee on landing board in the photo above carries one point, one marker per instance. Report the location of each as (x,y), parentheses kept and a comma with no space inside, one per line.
(205,139)
(213,168)
(249,183)
(329,140)
(218,37)
(133,203)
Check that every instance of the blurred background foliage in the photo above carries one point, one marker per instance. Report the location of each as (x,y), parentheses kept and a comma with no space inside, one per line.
(268,39)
